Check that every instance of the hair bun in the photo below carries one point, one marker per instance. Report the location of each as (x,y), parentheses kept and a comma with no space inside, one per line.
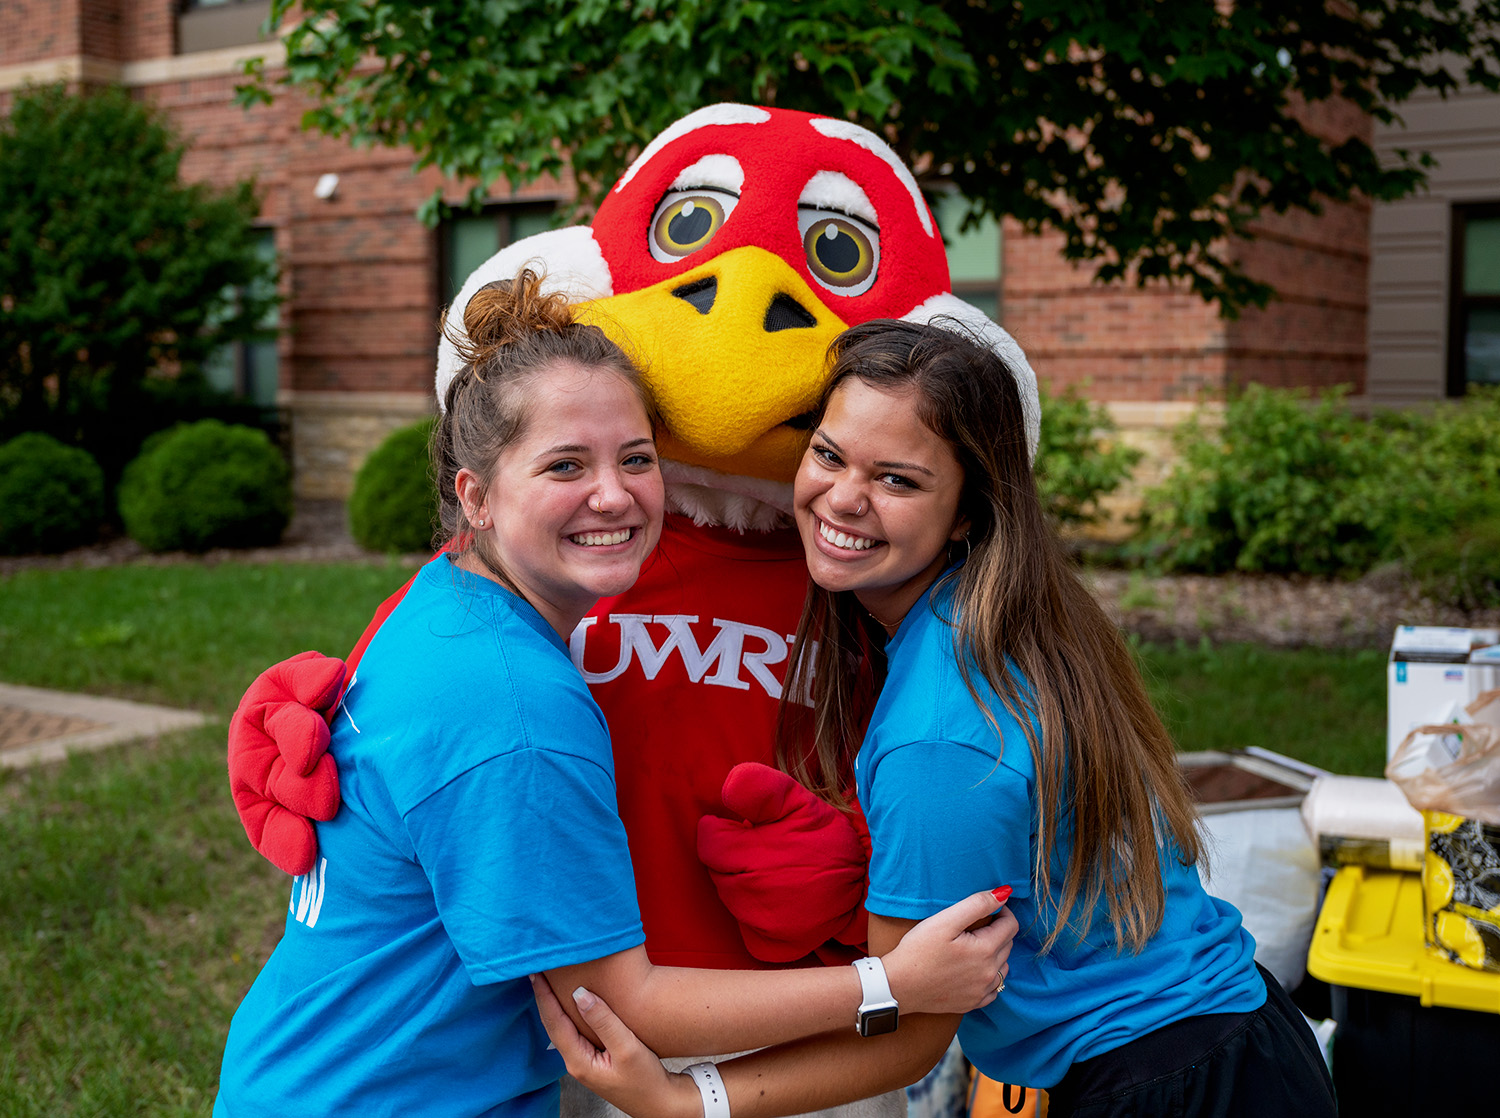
(506,311)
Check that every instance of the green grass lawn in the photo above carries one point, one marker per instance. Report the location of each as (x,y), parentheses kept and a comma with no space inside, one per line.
(133,914)
(1322,706)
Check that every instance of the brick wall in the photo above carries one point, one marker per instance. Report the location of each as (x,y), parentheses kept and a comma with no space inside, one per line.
(359,271)
(38,29)
(1314,333)
(147,29)
(99,24)
(1126,343)
(1114,343)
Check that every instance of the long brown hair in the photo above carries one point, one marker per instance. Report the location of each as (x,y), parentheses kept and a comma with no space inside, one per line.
(512,331)
(1022,618)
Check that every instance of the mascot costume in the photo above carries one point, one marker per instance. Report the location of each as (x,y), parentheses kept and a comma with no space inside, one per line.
(733,250)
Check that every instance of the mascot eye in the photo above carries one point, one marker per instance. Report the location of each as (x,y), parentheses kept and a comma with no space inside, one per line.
(842,253)
(686,220)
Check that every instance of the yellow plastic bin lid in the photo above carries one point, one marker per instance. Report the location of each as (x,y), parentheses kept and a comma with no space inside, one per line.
(1369,935)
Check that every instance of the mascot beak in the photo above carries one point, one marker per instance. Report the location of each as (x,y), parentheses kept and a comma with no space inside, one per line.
(746,339)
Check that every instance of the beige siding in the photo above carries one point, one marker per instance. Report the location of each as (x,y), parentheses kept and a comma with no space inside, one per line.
(1409,268)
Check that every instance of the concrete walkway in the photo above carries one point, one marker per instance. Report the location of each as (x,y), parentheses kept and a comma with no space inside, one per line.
(37,726)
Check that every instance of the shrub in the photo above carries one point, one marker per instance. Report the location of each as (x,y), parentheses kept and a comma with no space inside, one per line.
(51,495)
(1285,485)
(1444,487)
(116,275)
(206,484)
(394,505)
(1461,565)
(1077,463)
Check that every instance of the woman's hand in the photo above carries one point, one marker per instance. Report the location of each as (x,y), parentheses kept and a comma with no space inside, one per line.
(624,1072)
(948,963)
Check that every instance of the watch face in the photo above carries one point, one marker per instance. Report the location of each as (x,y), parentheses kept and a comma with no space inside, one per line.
(878,1022)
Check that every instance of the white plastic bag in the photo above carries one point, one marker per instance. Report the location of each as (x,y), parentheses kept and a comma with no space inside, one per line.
(1263,863)
(1454,766)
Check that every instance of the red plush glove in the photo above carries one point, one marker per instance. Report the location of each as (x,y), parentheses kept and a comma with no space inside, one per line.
(792,870)
(280,773)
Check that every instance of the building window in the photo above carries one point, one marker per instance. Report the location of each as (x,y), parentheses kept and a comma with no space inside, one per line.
(973,255)
(215,24)
(250,370)
(1474,307)
(467,240)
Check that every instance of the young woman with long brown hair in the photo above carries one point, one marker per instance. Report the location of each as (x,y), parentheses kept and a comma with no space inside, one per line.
(996,727)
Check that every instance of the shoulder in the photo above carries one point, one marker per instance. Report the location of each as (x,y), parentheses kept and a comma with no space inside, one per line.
(928,697)
(460,674)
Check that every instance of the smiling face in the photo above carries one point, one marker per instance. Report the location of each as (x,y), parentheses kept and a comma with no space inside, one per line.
(574,504)
(877,500)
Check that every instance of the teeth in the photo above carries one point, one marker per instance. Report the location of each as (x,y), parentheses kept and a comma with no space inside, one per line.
(840,539)
(602,539)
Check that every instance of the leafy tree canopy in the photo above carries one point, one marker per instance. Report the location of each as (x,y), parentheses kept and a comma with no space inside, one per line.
(113,273)
(1145,130)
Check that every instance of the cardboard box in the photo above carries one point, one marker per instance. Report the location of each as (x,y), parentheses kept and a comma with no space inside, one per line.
(1433,672)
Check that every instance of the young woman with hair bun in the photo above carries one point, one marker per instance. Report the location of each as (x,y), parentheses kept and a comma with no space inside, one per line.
(478,842)
(1006,736)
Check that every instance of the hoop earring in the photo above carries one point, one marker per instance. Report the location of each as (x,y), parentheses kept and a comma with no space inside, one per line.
(968,550)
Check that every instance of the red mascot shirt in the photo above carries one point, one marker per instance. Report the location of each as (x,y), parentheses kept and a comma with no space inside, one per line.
(687,666)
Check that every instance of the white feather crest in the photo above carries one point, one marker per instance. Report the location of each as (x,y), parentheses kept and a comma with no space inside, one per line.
(983,329)
(569,261)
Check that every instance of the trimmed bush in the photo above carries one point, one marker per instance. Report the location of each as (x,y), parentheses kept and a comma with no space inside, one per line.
(1286,485)
(206,484)
(1444,485)
(1460,566)
(394,506)
(1077,460)
(51,495)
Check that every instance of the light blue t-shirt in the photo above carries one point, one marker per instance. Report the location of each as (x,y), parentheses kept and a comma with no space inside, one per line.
(952,810)
(478,842)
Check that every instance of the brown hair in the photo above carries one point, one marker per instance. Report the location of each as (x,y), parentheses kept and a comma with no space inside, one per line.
(1105,766)
(512,331)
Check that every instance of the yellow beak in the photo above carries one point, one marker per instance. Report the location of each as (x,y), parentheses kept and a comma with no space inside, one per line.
(734,352)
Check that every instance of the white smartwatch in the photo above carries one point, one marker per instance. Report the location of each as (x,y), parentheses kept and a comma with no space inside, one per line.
(711,1088)
(878,1013)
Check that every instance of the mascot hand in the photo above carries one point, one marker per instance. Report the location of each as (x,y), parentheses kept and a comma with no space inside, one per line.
(791,869)
(280,773)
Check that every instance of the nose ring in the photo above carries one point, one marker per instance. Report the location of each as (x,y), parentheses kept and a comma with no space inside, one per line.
(860,509)
(594,503)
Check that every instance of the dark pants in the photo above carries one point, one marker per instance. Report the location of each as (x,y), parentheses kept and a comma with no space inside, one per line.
(1220,1065)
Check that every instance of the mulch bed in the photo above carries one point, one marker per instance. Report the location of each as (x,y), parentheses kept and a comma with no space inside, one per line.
(1285,612)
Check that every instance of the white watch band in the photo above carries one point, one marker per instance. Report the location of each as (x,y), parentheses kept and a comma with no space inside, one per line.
(878,1012)
(711,1087)
(872,980)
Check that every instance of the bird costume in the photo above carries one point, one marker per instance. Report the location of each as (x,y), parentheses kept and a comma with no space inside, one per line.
(733,250)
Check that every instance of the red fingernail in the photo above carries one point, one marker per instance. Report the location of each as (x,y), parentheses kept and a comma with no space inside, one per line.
(1001,894)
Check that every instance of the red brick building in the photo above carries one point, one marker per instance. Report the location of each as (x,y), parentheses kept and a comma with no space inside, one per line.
(364,280)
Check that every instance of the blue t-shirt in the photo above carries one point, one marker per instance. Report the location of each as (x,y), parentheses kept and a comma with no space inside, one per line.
(952,810)
(478,843)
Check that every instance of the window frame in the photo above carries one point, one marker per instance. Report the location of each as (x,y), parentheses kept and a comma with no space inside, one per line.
(941,193)
(240,355)
(503,212)
(1459,303)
